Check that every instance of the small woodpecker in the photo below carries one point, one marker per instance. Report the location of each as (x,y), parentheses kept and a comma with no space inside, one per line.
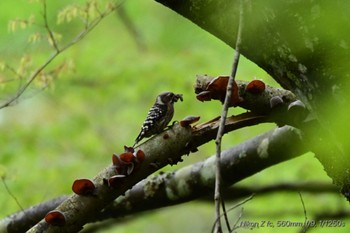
(159,115)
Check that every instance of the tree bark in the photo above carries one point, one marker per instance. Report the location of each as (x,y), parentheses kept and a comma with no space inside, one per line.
(304,46)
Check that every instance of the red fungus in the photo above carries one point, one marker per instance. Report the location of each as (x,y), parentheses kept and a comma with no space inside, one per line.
(129,149)
(116,160)
(126,157)
(189,120)
(218,87)
(140,156)
(218,84)
(55,218)
(255,87)
(204,96)
(83,187)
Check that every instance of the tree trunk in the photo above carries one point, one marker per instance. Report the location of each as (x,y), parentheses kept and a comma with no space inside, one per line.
(304,46)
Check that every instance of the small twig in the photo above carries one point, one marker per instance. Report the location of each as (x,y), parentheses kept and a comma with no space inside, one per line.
(48,29)
(10,68)
(235,226)
(304,208)
(89,28)
(217,196)
(225,215)
(232,208)
(31,79)
(10,193)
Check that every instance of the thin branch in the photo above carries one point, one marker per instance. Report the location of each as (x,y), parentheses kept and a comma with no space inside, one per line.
(10,68)
(235,226)
(48,29)
(232,208)
(31,79)
(224,213)
(304,208)
(217,195)
(10,193)
(89,28)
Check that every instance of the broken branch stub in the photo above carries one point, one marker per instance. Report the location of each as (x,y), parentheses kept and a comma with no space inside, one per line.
(280,105)
(254,96)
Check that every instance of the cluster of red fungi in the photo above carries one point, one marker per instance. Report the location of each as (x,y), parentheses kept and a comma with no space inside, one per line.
(124,165)
(216,89)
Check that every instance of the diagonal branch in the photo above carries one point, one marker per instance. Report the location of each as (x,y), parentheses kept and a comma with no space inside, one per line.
(52,38)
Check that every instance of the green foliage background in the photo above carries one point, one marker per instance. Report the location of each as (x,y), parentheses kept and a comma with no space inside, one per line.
(70,130)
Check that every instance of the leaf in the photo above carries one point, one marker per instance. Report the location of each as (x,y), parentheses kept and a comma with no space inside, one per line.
(24,64)
(35,37)
(67,14)
(56,36)
(12,25)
